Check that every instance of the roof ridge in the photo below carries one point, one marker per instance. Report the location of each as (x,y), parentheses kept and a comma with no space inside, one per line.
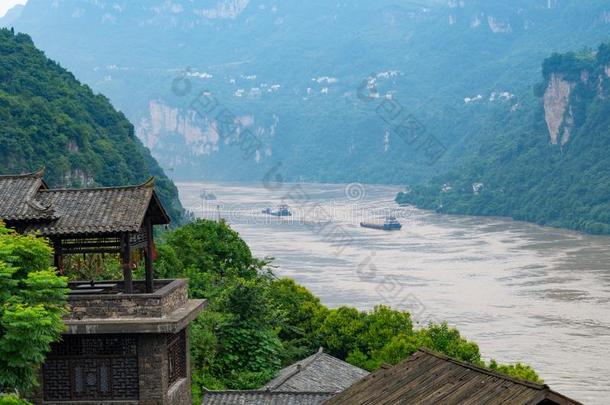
(150,183)
(484,370)
(299,366)
(37,174)
(306,362)
(38,206)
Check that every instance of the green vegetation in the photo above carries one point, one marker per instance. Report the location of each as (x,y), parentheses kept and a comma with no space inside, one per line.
(50,119)
(32,300)
(13,399)
(524,175)
(255,323)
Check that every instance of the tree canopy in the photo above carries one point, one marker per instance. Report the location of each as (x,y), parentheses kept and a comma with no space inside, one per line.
(32,301)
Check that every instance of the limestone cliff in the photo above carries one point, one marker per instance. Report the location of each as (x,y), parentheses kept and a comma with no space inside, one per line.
(572,82)
(556,99)
(163,120)
(176,135)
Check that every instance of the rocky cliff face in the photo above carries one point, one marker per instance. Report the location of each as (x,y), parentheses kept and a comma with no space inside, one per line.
(556,100)
(573,82)
(164,121)
(178,136)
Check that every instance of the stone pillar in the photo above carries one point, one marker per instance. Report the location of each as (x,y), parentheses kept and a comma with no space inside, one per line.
(152,362)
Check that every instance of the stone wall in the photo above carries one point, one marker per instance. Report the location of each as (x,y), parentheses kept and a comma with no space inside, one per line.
(171,296)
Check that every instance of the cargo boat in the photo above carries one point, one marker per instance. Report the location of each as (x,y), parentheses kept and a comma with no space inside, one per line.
(391,224)
(282,211)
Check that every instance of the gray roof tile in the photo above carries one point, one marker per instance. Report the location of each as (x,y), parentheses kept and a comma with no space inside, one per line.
(25,199)
(317,373)
(18,198)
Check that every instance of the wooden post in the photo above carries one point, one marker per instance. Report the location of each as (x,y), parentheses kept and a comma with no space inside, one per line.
(148,256)
(57,256)
(126,261)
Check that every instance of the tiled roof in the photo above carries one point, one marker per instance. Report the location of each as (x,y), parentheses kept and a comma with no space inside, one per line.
(317,373)
(264,398)
(432,378)
(18,197)
(25,199)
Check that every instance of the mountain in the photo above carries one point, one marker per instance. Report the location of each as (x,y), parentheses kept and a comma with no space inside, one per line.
(303,83)
(545,161)
(48,118)
(11,15)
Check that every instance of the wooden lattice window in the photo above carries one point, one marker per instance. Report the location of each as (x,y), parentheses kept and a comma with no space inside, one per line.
(92,368)
(176,353)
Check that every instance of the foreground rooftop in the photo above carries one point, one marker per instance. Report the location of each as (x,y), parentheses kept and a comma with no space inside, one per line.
(432,378)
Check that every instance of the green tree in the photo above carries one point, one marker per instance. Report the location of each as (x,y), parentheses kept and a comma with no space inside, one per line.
(209,247)
(359,336)
(341,329)
(518,370)
(300,316)
(32,302)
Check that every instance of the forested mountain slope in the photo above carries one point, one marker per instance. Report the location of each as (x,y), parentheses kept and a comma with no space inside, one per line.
(547,161)
(289,72)
(48,118)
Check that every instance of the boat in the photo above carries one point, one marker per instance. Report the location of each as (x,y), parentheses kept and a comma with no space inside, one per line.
(207,195)
(390,224)
(282,211)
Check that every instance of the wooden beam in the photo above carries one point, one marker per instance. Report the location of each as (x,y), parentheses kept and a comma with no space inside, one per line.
(148,256)
(126,264)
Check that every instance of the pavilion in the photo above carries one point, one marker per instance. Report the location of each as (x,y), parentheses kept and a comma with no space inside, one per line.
(126,340)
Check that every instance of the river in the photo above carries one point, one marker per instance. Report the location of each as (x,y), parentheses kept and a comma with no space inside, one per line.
(523,292)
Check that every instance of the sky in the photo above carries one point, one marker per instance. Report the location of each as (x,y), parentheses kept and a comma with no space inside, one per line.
(6,5)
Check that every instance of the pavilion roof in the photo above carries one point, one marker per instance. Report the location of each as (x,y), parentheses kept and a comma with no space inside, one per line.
(18,198)
(25,199)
